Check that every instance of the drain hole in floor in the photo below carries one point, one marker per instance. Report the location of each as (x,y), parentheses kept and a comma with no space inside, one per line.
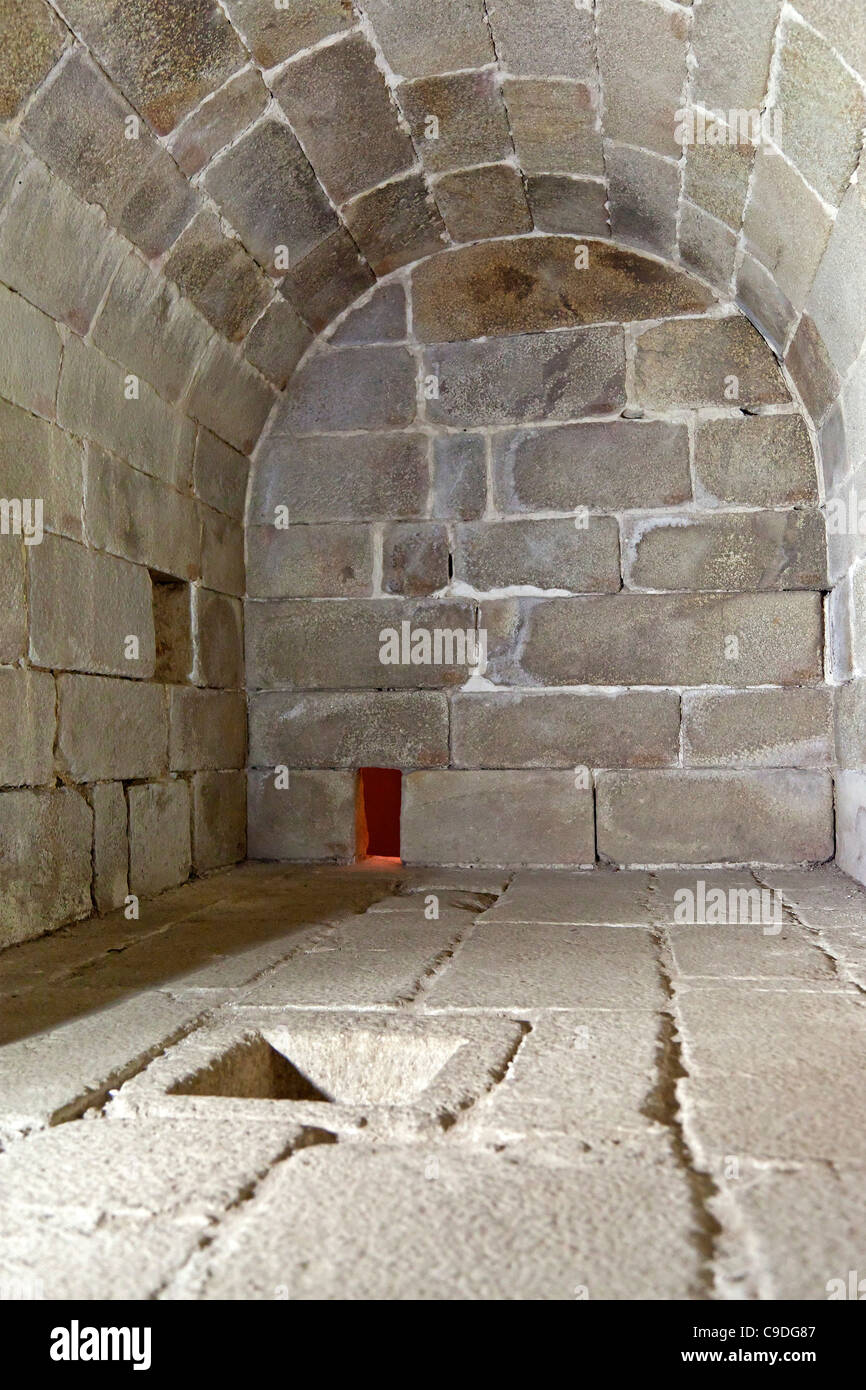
(251,1070)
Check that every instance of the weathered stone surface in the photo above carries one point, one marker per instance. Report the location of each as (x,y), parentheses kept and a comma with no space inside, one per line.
(32,38)
(850,721)
(65,274)
(562,203)
(229,397)
(815,377)
(219,474)
(336,643)
(351,478)
(472,124)
(717,177)
(533,283)
(565,729)
(557,376)
(327,280)
(554,125)
(159,836)
(749,550)
(83,606)
(381,319)
(334,561)
(110,845)
(216,274)
(418,41)
(485,202)
(312,818)
(765,305)
(13,599)
(320,92)
(843,23)
(761,728)
(755,460)
(219,819)
(44,861)
(219,120)
(138,518)
(29,355)
(355,388)
(492,818)
(219,639)
(110,728)
(644,198)
(694,817)
(396,223)
(459,476)
(837,303)
(707,246)
(822,109)
(544,554)
(275,34)
(690,363)
(556,41)
(778,193)
(732,42)
(277,342)
(27,726)
(207,729)
(637,38)
(415,558)
(77,125)
(615,465)
(358,729)
(40,461)
(267,189)
(850,814)
(597,897)
(657,639)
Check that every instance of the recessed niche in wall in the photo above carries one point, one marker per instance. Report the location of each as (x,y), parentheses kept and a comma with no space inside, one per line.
(171,621)
(378,813)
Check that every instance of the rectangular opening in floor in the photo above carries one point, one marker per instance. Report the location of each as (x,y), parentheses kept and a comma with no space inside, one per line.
(378,813)
(251,1070)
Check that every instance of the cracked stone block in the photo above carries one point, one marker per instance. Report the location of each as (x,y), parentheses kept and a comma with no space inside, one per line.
(30,354)
(334,561)
(459,476)
(110,729)
(207,729)
(555,41)
(110,846)
(77,125)
(415,558)
(355,388)
(707,246)
(44,862)
(220,475)
(382,728)
(84,606)
(690,817)
(486,202)
(277,342)
(337,644)
(780,198)
(815,377)
(716,177)
(66,275)
(94,401)
(533,283)
(732,42)
(313,818)
(759,728)
(219,639)
(136,517)
(42,461)
(396,224)
(554,125)
(33,39)
(326,281)
(326,95)
(229,397)
(218,277)
(266,188)
(753,550)
(837,303)
(491,818)
(637,38)
(710,362)
(565,729)
(418,40)
(159,836)
(372,477)
(381,319)
(218,121)
(756,460)
(822,108)
(596,897)
(644,198)
(615,465)
(471,124)
(27,726)
(580,371)
(562,203)
(544,554)
(219,819)
(13,600)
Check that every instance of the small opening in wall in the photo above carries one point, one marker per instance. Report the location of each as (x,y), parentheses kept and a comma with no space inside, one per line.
(378,817)
(172,627)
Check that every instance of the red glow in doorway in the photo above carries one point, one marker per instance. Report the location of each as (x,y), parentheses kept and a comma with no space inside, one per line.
(379,813)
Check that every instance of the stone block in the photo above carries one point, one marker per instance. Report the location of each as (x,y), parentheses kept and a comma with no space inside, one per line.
(554,125)
(380,319)
(218,629)
(45,865)
(418,41)
(13,599)
(692,363)
(415,558)
(750,550)
(207,729)
(222,552)
(110,729)
(637,38)
(312,818)
(483,202)
(219,120)
(779,197)
(843,23)
(644,195)
(215,273)
(42,462)
(557,40)
(354,388)
(369,477)
(567,729)
(459,476)
(542,554)
(562,203)
(472,126)
(837,306)
(27,726)
(850,812)
(29,355)
(755,460)
(84,606)
(599,897)
(779,816)
(716,177)
(277,342)
(396,223)
(229,397)
(334,561)
(732,42)
(764,304)
(707,246)
(219,819)
(324,283)
(138,518)
(220,474)
(850,724)
(382,728)
(33,39)
(110,846)
(558,376)
(159,836)
(493,818)
(822,109)
(758,728)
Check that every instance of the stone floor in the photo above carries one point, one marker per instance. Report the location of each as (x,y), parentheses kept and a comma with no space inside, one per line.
(400,1083)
